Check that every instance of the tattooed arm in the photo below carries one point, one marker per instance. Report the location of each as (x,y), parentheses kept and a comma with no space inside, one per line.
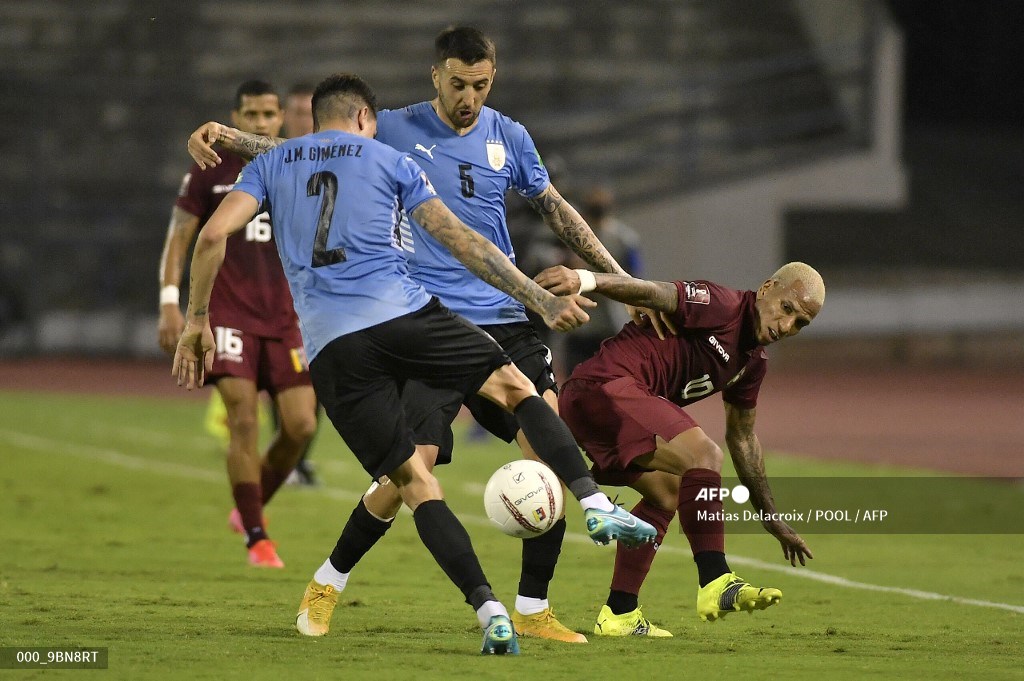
(487,262)
(748,459)
(566,222)
(194,354)
(245,144)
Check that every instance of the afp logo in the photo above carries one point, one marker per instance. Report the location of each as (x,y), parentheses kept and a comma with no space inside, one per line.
(739,494)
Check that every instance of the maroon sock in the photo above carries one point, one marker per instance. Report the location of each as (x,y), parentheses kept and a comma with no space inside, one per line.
(632,565)
(271,480)
(247,501)
(707,534)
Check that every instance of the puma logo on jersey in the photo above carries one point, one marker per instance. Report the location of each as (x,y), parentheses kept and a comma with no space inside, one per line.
(429,152)
(718,346)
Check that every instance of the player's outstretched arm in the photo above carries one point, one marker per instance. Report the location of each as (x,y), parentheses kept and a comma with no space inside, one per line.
(194,354)
(653,295)
(245,144)
(748,459)
(487,262)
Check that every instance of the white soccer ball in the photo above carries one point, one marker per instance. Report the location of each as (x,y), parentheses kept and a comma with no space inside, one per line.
(524,498)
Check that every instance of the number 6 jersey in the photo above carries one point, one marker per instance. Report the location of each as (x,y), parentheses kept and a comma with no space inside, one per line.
(715,351)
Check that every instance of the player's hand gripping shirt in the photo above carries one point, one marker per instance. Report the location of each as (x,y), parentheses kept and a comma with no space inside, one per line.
(471,174)
(250,292)
(336,201)
(715,351)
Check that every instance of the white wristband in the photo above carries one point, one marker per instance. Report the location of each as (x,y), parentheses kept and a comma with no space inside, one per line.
(169,295)
(588,282)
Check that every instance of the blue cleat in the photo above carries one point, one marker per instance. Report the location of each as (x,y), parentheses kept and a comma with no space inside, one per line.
(604,526)
(500,638)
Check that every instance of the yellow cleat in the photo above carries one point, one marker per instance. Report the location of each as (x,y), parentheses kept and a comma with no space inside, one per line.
(627,624)
(728,594)
(216,420)
(314,618)
(545,625)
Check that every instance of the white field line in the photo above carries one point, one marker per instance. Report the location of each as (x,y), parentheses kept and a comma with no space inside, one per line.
(117,458)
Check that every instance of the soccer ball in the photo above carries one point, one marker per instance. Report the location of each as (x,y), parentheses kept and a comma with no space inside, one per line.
(524,498)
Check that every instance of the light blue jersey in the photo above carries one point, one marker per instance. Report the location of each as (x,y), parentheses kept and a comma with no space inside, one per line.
(335,202)
(471,174)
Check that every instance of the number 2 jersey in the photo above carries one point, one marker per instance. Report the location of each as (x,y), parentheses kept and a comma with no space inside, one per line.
(250,293)
(336,201)
(471,174)
(716,350)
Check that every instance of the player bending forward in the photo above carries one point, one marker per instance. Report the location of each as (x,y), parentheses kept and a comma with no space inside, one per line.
(625,408)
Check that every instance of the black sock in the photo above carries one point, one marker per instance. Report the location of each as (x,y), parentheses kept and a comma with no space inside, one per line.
(710,566)
(554,444)
(540,555)
(447,540)
(361,532)
(621,602)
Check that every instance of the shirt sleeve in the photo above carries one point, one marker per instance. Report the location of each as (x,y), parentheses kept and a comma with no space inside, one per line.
(743,393)
(530,176)
(703,304)
(413,186)
(252,181)
(194,193)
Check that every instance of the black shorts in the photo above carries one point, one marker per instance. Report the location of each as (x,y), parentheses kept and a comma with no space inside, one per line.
(430,412)
(359,377)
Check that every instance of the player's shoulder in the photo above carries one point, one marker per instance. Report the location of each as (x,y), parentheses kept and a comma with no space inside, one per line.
(411,114)
(495,120)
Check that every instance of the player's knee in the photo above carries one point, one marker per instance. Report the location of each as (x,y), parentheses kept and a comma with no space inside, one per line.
(243,422)
(302,428)
(707,454)
(696,451)
(507,386)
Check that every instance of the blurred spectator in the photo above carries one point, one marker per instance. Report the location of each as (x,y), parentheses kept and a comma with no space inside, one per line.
(298,110)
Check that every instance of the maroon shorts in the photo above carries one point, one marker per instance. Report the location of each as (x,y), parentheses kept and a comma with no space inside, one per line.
(617,421)
(273,364)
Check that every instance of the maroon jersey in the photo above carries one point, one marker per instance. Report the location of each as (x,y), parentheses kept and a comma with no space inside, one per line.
(715,351)
(251,293)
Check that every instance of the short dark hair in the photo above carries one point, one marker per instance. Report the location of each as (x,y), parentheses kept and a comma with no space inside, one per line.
(464,43)
(253,88)
(341,96)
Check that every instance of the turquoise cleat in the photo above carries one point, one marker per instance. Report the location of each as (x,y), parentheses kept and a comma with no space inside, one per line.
(604,526)
(500,638)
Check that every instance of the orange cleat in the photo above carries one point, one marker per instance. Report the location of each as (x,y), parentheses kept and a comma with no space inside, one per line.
(264,554)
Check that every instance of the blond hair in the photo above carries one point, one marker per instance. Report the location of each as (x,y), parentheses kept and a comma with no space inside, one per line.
(814,285)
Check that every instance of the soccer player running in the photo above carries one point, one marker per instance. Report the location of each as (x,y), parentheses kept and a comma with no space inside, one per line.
(336,198)
(625,407)
(472,155)
(258,338)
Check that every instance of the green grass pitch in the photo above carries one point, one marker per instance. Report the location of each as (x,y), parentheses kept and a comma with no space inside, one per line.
(113,534)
